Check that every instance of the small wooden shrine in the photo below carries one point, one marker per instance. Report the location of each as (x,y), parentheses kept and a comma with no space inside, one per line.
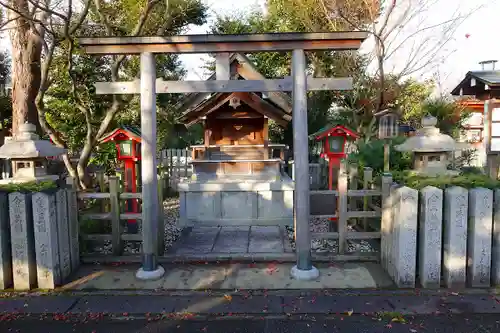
(237,166)
(236,129)
(128,147)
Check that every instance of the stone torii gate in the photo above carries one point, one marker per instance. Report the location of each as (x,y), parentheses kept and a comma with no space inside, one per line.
(299,83)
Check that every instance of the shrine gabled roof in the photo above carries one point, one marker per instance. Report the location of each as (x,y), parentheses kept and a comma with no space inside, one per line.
(247,71)
(132,132)
(490,78)
(325,131)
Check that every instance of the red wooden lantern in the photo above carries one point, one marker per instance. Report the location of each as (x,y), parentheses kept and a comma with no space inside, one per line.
(332,143)
(128,146)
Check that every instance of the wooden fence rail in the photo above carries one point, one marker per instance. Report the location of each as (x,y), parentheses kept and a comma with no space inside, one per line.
(348,202)
(116,216)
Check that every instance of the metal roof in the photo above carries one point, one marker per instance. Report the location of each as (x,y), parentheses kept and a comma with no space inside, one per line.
(132,131)
(491,78)
(331,128)
(194,101)
(488,77)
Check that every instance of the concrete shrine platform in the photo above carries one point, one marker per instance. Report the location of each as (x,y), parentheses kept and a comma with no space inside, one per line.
(230,276)
(235,202)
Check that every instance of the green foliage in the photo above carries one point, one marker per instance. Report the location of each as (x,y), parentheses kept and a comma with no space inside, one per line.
(450,115)
(89,227)
(356,107)
(411,99)
(465,179)
(5,98)
(371,155)
(105,156)
(29,187)
(5,112)
(78,119)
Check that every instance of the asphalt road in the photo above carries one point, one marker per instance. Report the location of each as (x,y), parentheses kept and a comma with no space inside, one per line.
(345,324)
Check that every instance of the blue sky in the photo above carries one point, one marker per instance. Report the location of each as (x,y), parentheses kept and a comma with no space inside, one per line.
(480,28)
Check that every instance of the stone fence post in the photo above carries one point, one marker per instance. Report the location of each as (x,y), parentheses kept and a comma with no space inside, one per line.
(430,237)
(5,246)
(496,240)
(63,233)
(404,237)
(455,236)
(46,240)
(479,237)
(22,241)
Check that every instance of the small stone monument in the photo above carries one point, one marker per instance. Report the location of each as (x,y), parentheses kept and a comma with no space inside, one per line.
(431,149)
(29,156)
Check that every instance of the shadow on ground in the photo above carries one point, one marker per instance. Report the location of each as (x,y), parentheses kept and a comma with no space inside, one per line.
(230,276)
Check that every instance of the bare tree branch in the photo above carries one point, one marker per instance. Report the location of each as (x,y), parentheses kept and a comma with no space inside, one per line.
(30,19)
(36,5)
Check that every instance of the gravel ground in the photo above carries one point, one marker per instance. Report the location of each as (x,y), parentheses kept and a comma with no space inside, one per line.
(172,233)
(325,246)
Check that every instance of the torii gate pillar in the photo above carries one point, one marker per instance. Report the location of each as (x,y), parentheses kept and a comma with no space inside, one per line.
(150,269)
(304,270)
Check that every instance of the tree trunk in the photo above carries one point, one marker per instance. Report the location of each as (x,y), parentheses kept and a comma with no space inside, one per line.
(26,72)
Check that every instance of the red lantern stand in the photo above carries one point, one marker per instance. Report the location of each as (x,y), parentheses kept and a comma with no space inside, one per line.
(334,141)
(128,146)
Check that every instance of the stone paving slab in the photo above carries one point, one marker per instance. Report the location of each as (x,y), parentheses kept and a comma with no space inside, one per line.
(277,276)
(230,304)
(201,278)
(37,304)
(199,240)
(231,276)
(265,239)
(125,304)
(232,240)
(335,305)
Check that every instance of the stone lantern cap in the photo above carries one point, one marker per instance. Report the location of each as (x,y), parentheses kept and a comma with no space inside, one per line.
(429,139)
(27,145)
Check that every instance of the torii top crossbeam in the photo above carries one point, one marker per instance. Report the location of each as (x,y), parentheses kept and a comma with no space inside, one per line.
(267,42)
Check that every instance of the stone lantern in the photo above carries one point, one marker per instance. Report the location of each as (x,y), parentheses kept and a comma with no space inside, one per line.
(431,149)
(28,155)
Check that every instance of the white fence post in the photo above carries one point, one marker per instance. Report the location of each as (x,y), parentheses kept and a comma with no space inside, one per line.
(455,236)
(479,237)
(430,237)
